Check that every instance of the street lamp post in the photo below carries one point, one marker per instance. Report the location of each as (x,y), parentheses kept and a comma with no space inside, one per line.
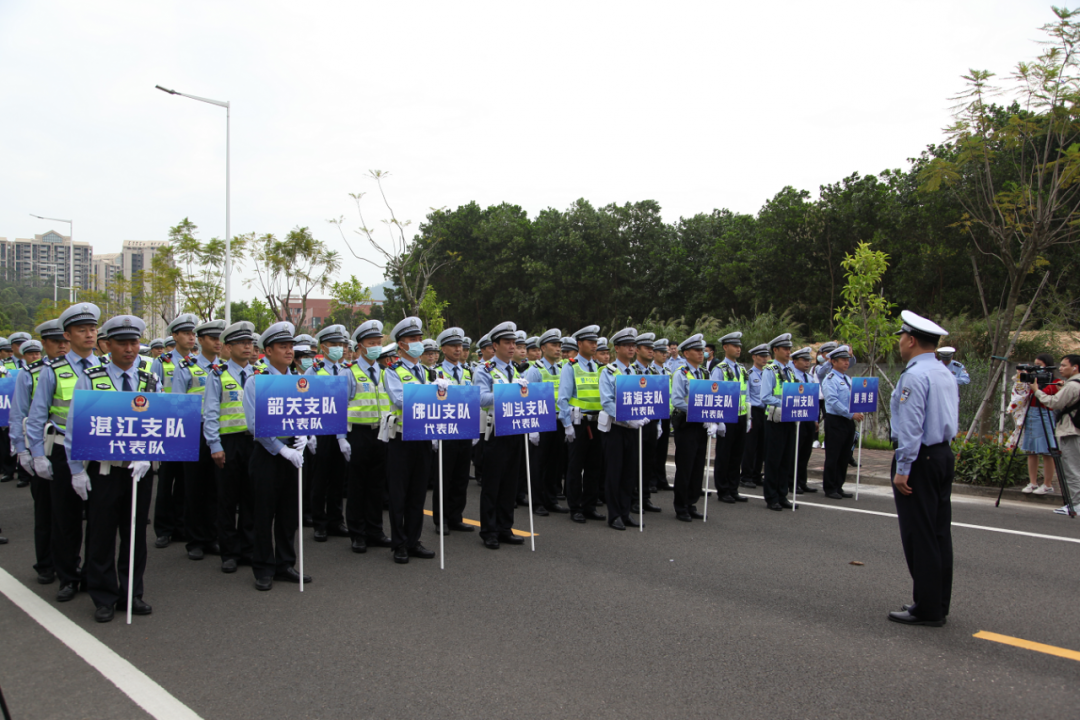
(228,235)
(71,252)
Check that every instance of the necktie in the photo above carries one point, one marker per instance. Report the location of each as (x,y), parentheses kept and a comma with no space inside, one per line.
(125,385)
(243,377)
(85,364)
(456,378)
(371,373)
(335,369)
(509,372)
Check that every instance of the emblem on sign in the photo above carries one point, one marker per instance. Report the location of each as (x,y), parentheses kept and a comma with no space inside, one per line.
(524,390)
(440,393)
(801,389)
(715,387)
(302,385)
(140,404)
(864,382)
(643,382)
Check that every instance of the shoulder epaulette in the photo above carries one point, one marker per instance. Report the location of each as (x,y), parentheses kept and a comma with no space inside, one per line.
(958,364)
(148,377)
(572,361)
(36,365)
(396,365)
(62,360)
(489,366)
(96,371)
(104,360)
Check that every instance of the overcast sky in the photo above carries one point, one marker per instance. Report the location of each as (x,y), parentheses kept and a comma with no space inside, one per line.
(696,105)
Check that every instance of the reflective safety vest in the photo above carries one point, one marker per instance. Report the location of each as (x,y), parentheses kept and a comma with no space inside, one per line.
(65,387)
(743,380)
(101,380)
(545,376)
(198,376)
(587,387)
(168,367)
(10,364)
(406,377)
(780,376)
(466,375)
(370,402)
(34,369)
(497,377)
(231,418)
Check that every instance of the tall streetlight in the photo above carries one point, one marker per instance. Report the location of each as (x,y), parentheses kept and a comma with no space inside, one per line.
(71,253)
(228,236)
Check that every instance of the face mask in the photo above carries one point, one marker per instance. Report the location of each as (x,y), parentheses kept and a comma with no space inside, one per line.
(306,363)
(373,353)
(335,353)
(416,349)
(821,358)
(706,356)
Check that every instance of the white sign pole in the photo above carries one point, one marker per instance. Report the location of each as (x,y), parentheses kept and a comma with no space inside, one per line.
(300,515)
(528,483)
(439,520)
(640,483)
(131,549)
(858,467)
(795,469)
(705,483)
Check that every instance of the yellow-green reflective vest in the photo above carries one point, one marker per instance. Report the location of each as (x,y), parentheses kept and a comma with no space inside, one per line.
(101,380)
(168,367)
(497,378)
(370,402)
(466,375)
(743,380)
(10,364)
(65,387)
(198,377)
(231,418)
(34,369)
(545,376)
(778,377)
(587,387)
(406,377)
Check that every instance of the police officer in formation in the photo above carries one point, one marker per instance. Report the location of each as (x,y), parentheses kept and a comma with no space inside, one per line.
(779,436)
(729,448)
(643,365)
(169,503)
(691,439)
(548,460)
(579,410)
(753,459)
(455,453)
(659,479)
(839,423)
(807,429)
(620,439)
(333,452)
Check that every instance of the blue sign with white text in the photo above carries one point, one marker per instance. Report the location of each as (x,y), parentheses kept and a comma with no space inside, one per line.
(864,395)
(641,397)
(713,401)
(289,405)
(7,390)
(521,409)
(429,413)
(117,426)
(800,402)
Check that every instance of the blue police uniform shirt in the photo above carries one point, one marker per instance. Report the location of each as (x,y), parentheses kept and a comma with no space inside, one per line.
(658,369)
(607,385)
(925,408)
(38,416)
(158,367)
(753,387)
(959,372)
(393,385)
(837,390)
(85,383)
(533,373)
(484,381)
(672,364)
(568,388)
(182,377)
(20,405)
(734,370)
(212,402)
(768,381)
(446,369)
(680,386)
(272,444)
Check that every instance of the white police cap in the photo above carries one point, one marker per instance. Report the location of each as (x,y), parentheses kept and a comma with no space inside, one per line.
(303,349)
(734,338)
(533,342)
(408,326)
(466,342)
(210,328)
(390,350)
(660,344)
(602,344)
(694,342)
(50,329)
(18,337)
(554,335)
(626,336)
(31,346)
(80,314)
(569,343)
(783,341)
(181,323)
(5,344)
(160,343)
(503,330)
(332,333)
(589,332)
(921,328)
(369,329)
(169,342)
(242,330)
(123,327)
(520,338)
(646,339)
(947,350)
(762,349)
(429,345)
(840,353)
(278,332)
(827,347)
(806,352)
(483,342)
(451,336)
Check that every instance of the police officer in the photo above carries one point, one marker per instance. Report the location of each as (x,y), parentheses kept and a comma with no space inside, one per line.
(157,346)
(231,444)
(924,406)
(603,351)
(945,354)
(779,436)
(690,438)
(620,439)
(429,359)
(486,354)
(273,472)
(407,464)
(839,423)
(673,359)
(658,478)
(46,420)
(550,448)
(532,349)
(502,455)
(729,449)
(19,406)
(569,348)
(106,487)
(9,468)
(579,408)
(455,453)
(333,451)
(808,429)
(643,365)
(521,352)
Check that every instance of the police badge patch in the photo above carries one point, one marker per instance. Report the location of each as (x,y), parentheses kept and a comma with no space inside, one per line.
(904,394)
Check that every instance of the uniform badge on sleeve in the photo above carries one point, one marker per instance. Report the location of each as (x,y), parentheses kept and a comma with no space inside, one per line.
(904,394)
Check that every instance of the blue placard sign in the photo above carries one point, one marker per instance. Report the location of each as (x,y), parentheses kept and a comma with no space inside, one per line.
(864,395)
(800,402)
(641,397)
(521,409)
(7,390)
(713,401)
(117,426)
(433,414)
(290,405)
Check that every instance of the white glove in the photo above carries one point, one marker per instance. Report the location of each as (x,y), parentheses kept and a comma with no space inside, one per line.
(521,380)
(570,434)
(721,429)
(435,446)
(14,452)
(637,424)
(475,441)
(43,468)
(749,422)
(26,461)
(346,448)
(534,438)
(312,443)
(139,468)
(711,429)
(299,442)
(442,383)
(292,455)
(659,430)
(81,484)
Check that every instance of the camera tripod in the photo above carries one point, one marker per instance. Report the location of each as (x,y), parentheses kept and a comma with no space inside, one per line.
(1055,455)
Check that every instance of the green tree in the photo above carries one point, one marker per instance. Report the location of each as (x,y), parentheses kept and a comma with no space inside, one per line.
(431,313)
(256,312)
(345,298)
(864,321)
(289,270)
(201,281)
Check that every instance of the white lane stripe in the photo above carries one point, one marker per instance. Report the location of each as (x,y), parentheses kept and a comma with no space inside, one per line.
(146,693)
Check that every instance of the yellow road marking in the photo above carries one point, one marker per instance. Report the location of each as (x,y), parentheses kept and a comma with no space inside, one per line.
(1028,645)
(476,523)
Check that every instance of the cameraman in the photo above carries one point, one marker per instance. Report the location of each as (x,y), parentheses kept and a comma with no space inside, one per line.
(1066,402)
(1038,422)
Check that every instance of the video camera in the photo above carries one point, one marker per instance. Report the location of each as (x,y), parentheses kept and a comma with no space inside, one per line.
(1036,373)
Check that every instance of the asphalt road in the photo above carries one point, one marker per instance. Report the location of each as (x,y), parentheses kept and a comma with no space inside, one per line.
(753,614)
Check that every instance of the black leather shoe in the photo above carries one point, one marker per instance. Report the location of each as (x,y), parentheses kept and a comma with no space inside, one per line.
(138,607)
(905,618)
(740,498)
(290,575)
(104,613)
(307,521)
(196,553)
(22,483)
(834,496)
(264,584)
(511,539)
(212,549)
(727,499)
(461,527)
(652,490)
(663,486)
(593,515)
(631,522)
(228,566)
(617,524)
(747,484)
(846,494)
(786,504)
(558,509)
(693,512)
(66,592)
(650,506)
(419,551)
(578,517)
(339,530)
(540,511)
(441,529)
(491,543)
(6,478)
(46,578)
(522,500)
(560,496)
(162,541)
(683,516)
(775,506)
(807,489)
(401,555)
(382,541)
(320,535)
(852,463)
(359,546)
(799,491)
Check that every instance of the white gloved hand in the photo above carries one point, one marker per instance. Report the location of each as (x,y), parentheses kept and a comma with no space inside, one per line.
(710,428)
(521,380)
(346,448)
(721,429)
(659,430)
(299,442)
(26,461)
(139,468)
(534,438)
(570,434)
(442,383)
(638,424)
(312,443)
(43,468)
(749,422)
(13,451)
(292,455)
(475,441)
(81,484)
(435,446)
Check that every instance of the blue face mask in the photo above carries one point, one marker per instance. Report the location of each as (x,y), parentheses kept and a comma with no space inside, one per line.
(335,353)
(306,363)
(373,353)
(416,349)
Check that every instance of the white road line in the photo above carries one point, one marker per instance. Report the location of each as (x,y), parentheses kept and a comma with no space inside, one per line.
(146,693)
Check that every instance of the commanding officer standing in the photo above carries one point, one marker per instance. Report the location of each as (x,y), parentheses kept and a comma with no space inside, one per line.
(109,496)
(839,423)
(407,464)
(808,429)
(367,476)
(455,453)
(333,452)
(547,478)
(729,448)
(779,436)
(659,479)
(231,443)
(945,354)
(690,438)
(620,440)
(503,453)
(47,419)
(273,472)
(925,407)
(579,406)
(754,448)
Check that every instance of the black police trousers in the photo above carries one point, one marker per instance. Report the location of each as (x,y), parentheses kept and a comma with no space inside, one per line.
(108,514)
